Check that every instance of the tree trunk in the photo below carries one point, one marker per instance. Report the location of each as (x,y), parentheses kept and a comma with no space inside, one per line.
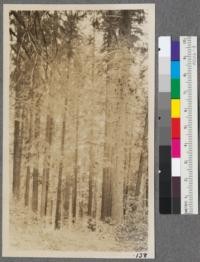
(76,169)
(17,150)
(92,181)
(58,201)
(118,175)
(27,186)
(28,170)
(67,185)
(66,198)
(43,198)
(118,182)
(46,191)
(36,169)
(106,186)
(90,195)
(59,189)
(45,187)
(17,159)
(74,192)
(18,133)
(66,192)
(35,190)
(46,169)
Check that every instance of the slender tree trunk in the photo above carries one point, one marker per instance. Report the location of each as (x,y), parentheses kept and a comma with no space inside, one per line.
(17,159)
(17,150)
(36,169)
(58,200)
(92,180)
(59,189)
(67,185)
(90,195)
(66,193)
(66,201)
(27,186)
(42,210)
(28,170)
(35,190)
(106,184)
(74,190)
(46,191)
(46,169)
(31,136)
(18,132)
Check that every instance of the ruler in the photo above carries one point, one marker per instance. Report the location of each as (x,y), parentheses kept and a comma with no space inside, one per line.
(189,125)
(178,125)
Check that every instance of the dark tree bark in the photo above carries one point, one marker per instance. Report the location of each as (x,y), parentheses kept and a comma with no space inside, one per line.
(27,186)
(46,169)
(66,200)
(106,190)
(59,189)
(66,192)
(110,41)
(58,200)
(92,181)
(28,170)
(17,159)
(90,194)
(35,190)
(18,121)
(35,169)
(74,189)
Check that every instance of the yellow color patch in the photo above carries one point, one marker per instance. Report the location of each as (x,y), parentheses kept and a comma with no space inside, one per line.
(175,108)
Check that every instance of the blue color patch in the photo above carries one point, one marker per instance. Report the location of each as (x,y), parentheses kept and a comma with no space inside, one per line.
(175,69)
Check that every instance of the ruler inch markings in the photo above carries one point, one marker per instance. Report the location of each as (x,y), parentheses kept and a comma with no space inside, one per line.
(189,125)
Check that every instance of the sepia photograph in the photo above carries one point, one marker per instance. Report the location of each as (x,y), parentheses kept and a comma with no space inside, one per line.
(78,131)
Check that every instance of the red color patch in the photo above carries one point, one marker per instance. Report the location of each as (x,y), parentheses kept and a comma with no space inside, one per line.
(176,128)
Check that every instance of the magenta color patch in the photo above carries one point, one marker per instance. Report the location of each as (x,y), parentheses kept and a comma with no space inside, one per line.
(176,148)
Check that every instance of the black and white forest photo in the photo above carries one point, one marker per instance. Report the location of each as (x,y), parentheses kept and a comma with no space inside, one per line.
(78,135)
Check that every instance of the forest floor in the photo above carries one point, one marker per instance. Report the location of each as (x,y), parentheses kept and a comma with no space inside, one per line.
(37,235)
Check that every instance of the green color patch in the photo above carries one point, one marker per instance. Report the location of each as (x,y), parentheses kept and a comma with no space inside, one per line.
(175,88)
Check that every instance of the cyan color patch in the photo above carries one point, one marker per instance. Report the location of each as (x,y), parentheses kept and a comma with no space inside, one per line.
(175,69)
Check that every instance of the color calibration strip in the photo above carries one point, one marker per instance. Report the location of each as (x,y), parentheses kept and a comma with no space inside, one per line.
(175,128)
(164,99)
(178,133)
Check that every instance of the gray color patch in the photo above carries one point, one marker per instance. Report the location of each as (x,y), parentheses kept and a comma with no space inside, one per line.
(164,84)
(164,118)
(164,66)
(164,101)
(164,136)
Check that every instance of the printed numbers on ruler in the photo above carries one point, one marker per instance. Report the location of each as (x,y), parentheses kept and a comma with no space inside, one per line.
(189,129)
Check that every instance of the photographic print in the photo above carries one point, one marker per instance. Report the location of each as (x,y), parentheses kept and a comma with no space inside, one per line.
(78,138)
